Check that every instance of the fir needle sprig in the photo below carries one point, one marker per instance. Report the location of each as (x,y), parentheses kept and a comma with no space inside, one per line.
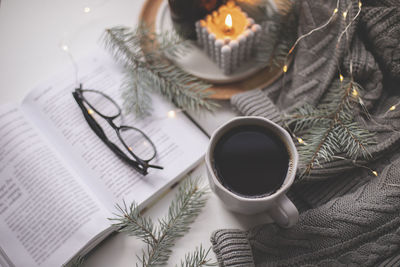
(330,129)
(197,258)
(183,210)
(143,54)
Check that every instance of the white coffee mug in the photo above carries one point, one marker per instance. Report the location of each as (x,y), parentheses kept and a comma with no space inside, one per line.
(278,205)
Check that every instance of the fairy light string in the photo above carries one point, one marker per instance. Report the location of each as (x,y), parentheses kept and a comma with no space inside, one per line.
(354,92)
(335,11)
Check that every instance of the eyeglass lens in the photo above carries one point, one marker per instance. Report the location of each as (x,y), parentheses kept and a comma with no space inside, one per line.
(101,103)
(137,143)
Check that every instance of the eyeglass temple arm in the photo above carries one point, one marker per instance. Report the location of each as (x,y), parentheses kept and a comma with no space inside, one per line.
(100,133)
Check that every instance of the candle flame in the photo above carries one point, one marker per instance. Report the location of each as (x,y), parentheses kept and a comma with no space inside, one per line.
(228,21)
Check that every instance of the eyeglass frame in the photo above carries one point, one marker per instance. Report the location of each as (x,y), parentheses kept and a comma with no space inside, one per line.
(140,165)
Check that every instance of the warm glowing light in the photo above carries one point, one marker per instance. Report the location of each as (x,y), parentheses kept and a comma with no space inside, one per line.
(285,68)
(354,92)
(64,47)
(335,11)
(341,77)
(90,111)
(375,173)
(392,108)
(86,9)
(301,141)
(345,14)
(359,4)
(130,148)
(171,114)
(145,143)
(228,21)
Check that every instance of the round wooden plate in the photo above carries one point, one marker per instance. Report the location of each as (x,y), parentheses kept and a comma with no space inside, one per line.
(260,79)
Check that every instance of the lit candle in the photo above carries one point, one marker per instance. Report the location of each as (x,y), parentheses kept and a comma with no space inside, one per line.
(218,46)
(226,58)
(242,48)
(250,40)
(228,29)
(228,25)
(235,53)
(211,43)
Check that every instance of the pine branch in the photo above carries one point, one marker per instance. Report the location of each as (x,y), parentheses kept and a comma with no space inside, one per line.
(142,53)
(197,258)
(136,100)
(129,220)
(329,129)
(182,212)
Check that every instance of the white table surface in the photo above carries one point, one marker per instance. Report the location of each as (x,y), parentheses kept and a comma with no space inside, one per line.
(32,34)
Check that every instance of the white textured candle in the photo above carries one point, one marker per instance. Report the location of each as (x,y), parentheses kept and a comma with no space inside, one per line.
(229,44)
(211,45)
(205,40)
(249,46)
(242,47)
(226,59)
(235,53)
(218,46)
(199,33)
(257,33)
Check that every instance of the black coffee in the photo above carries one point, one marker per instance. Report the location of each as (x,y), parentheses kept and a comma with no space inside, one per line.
(251,161)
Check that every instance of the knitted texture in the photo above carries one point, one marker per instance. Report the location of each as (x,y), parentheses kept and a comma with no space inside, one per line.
(361,228)
(348,216)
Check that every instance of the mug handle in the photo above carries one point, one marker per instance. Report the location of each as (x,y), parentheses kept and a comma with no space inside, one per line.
(285,213)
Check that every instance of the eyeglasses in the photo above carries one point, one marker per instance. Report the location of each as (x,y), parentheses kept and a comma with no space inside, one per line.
(140,149)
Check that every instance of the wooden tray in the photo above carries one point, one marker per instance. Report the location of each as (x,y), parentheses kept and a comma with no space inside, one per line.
(260,79)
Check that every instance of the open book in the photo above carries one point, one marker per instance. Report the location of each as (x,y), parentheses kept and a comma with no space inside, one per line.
(59,182)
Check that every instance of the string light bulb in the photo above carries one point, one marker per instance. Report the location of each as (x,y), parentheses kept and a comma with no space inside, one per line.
(171,114)
(335,11)
(301,141)
(344,14)
(90,111)
(341,77)
(285,68)
(86,9)
(64,47)
(375,173)
(392,108)
(354,92)
(359,4)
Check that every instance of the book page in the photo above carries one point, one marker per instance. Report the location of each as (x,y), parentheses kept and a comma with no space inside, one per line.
(46,214)
(179,143)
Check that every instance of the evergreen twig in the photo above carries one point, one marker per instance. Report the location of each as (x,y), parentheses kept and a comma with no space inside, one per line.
(129,220)
(329,129)
(183,210)
(143,55)
(197,258)
(181,213)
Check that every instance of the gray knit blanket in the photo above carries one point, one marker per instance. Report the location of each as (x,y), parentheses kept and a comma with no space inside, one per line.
(348,216)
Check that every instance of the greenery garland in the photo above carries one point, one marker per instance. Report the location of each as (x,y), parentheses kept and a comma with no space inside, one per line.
(147,69)
(160,239)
